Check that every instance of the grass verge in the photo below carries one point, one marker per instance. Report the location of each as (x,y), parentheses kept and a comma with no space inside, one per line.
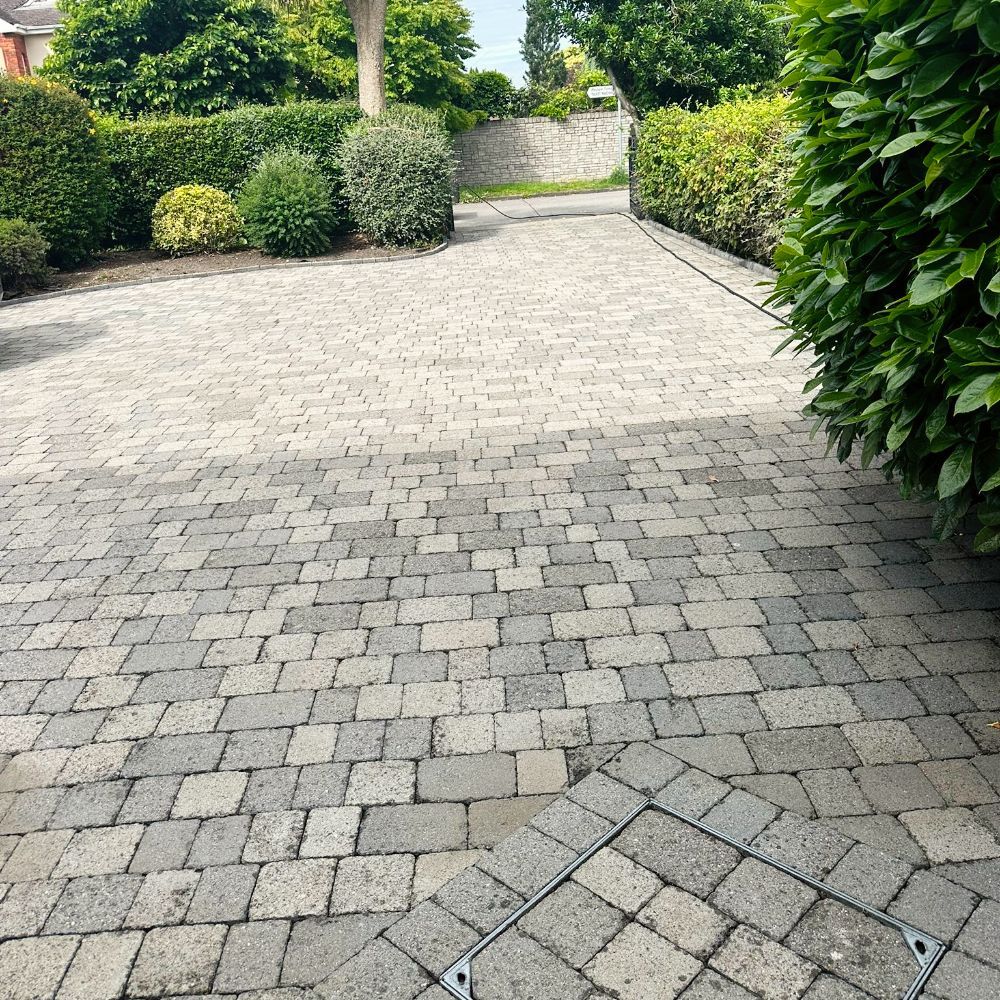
(531,189)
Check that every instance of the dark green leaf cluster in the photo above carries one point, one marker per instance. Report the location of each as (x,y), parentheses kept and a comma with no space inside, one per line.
(52,168)
(720,174)
(287,206)
(23,250)
(399,171)
(151,156)
(188,57)
(492,92)
(677,51)
(892,264)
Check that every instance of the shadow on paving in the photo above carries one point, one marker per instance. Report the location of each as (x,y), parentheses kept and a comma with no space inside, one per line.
(28,345)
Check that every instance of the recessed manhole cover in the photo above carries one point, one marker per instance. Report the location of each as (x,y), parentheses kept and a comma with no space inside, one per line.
(664,906)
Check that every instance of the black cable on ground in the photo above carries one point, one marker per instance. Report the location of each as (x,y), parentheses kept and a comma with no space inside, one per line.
(635,222)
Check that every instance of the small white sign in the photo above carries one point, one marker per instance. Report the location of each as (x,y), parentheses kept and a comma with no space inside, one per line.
(600,92)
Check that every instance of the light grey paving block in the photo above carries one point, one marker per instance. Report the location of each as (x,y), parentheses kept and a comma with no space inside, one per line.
(177,960)
(573,923)
(638,964)
(516,965)
(318,946)
(379,884)
(292,889)
(251,958)
(432,937)
(33,967)
(762,966)
(100,967)
(763,897)
(397,975)
(692,925)
(461,779)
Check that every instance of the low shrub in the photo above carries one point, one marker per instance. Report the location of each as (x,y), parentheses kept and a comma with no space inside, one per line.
(23,250)
(151,156)
(399,180)
(287,206)
(892,260)
(720,174)
(196,218)
(52,168)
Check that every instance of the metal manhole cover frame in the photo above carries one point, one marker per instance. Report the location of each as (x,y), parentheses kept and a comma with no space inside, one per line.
(926,949)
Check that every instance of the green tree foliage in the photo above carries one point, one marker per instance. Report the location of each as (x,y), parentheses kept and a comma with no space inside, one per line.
(52,167)
(492,92)
(540,45)
(426,44)
(574,98)
(892,265)
(188,57)
(677,51)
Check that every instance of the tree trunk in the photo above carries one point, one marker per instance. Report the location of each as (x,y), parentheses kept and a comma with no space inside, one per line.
(630,109)
(368,18)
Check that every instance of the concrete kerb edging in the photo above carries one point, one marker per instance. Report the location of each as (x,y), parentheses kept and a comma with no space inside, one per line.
(730,258)
(63,292)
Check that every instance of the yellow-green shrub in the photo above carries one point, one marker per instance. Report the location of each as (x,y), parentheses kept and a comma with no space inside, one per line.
(196,218)
(720,174)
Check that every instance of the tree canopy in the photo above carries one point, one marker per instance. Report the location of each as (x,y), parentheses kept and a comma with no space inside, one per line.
(426,44)
(183,56)
(686,52)
(540,45)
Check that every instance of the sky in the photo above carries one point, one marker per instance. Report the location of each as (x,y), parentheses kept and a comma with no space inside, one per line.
(497,25)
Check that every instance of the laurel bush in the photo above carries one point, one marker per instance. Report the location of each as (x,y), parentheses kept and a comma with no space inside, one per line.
(892,262)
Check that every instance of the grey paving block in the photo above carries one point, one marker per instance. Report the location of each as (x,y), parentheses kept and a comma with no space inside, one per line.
(397,975)
(401,829)
(177,960)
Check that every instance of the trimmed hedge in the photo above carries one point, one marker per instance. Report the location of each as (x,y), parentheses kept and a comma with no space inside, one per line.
(892,264)
(399,169)
(151,156)
(52,170)
(720,174)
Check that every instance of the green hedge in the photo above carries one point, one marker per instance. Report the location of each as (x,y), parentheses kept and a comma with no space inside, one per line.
(52,171)
(720,174)
(892,264)
(151,156)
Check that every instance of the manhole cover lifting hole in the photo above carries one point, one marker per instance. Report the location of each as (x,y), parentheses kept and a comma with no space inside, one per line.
(927,950)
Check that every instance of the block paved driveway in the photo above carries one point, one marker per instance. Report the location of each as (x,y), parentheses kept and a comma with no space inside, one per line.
(316,582)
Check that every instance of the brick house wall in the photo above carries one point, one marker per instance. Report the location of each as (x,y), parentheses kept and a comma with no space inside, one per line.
(15,55)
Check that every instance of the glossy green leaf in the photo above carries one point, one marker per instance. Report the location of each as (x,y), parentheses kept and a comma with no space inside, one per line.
(981,391)
(956,471)
(904,143)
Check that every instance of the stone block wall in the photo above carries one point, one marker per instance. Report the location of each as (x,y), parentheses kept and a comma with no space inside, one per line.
(583,147)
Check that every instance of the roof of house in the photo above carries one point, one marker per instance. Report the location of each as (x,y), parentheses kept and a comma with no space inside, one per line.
(30,13)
